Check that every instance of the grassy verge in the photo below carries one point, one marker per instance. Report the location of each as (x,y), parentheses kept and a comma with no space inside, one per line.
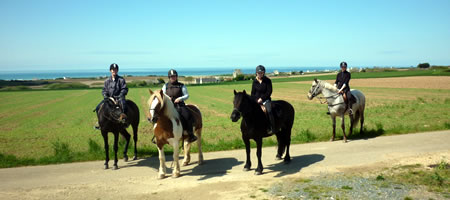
(400,182)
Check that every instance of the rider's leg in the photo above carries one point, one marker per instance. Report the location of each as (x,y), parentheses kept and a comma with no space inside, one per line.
(349,102)
(123,103)
(188,121)
(268,105)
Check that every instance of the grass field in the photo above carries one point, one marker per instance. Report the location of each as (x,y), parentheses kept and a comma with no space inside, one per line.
(55,126)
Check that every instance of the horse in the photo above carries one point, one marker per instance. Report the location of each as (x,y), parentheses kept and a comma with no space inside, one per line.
(168,130)
(337,107)
(111,119)
(255,125)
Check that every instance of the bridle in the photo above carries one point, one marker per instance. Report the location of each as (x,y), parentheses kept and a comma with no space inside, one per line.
(313,94)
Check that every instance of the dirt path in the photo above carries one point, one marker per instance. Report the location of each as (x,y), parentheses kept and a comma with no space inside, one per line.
(221,177)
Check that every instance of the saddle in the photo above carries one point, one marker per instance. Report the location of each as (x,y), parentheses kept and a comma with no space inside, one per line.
(275,110)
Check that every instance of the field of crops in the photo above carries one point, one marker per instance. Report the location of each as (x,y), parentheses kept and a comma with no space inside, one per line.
(54,126)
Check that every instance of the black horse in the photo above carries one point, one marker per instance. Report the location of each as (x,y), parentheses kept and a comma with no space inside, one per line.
(112,119)
(255,125)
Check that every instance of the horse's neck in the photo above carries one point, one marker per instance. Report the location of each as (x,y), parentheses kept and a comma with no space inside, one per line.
(170,110)
(255,112)
(331,94)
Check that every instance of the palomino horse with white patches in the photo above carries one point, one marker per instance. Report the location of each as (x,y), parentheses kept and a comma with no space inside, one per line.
(168,130)
(336,105)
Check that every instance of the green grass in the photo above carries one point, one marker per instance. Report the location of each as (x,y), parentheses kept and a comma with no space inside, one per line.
(55,126)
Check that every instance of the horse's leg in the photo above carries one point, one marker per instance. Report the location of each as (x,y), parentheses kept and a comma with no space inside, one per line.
(259,169)
(248,163)
(352,120)
(343,126)
(361,130)
(176,157)
(127,136)
(199,143)
(116,148)
(281,146)
(187,153)
(162,163)
(105,139)
(135,139)
(333,118)
(287,157)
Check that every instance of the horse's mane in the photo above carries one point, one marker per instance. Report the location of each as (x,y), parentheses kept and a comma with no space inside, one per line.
(167,105)
(327,85)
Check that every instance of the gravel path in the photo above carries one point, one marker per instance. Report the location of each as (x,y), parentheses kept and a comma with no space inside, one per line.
(222,177)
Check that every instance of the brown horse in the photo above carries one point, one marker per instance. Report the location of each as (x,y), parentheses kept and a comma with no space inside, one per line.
(168,130)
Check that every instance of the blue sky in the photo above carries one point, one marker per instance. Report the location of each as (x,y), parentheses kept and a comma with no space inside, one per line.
(42,35)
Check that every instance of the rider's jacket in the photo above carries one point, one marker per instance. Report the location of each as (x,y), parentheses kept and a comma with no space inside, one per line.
(115,87)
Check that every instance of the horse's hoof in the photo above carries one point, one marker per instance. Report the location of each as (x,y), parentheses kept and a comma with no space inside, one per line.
(258,173)
(278,158)
(115,167)
(185,163)
(106,166)
(345,141)
(135,158)
(161,176)
(287,161)
(246,169)
(125,158)
(176,175)
(332,139)
(201,162)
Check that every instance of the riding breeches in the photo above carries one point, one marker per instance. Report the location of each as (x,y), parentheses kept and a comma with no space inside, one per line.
(186,117)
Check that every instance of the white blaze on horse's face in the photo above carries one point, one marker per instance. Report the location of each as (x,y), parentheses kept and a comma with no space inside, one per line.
(155,103)
(311,93)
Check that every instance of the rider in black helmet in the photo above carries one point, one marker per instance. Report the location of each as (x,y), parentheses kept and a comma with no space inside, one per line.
(342,84)
(115,86)
(261,92)
(178,93)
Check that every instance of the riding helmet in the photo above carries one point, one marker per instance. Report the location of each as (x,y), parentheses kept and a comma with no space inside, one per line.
(114,66)
(172,72)
(260,68)
(343,64)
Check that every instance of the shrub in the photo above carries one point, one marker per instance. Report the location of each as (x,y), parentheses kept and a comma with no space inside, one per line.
(423,65)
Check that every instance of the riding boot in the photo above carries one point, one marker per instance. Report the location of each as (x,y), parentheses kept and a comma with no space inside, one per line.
(186,123)
(273,129)
(350,110)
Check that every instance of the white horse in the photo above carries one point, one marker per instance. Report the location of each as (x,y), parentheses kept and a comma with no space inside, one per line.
(336,105)
(168,130)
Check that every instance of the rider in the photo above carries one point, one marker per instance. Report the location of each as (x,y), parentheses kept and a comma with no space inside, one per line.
(342,83)
(115,86)
(178,94)
(261,91)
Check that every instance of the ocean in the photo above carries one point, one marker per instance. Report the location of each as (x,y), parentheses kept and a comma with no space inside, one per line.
(55,74)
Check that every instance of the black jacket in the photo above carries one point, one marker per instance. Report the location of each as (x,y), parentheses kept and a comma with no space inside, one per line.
(117,87)
(343,78)
(262,90)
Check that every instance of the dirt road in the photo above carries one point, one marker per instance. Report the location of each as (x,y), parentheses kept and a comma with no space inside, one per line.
(221,177)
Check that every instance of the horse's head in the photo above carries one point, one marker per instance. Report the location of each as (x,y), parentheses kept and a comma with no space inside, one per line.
(241,105)
(113,111)
(156,105)
(315,90)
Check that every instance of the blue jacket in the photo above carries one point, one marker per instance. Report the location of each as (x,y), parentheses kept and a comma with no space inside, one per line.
(116,87)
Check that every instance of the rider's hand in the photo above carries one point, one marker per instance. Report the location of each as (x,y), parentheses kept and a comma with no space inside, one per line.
(259,100)
(340,92)
(177,100)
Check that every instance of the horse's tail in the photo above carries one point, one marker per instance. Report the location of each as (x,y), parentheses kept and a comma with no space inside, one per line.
(356,117)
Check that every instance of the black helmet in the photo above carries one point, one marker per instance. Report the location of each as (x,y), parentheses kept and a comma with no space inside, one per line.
(114,66)
(172,72)
(343,64)
(260,68)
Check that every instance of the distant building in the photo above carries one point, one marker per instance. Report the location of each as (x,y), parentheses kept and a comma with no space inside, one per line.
(203,80)
(237,72)
(276,72)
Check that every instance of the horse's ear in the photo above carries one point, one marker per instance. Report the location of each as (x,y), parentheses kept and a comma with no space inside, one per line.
(244,92)
(235,92)
(315,80)
(150,91)
(161,93)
